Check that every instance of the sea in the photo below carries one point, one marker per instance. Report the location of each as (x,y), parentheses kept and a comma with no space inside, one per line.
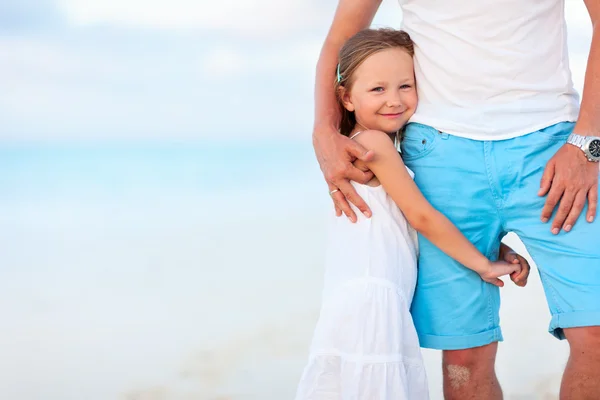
(161,270)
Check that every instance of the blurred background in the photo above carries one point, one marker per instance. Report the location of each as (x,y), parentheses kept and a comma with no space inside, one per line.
(162,216)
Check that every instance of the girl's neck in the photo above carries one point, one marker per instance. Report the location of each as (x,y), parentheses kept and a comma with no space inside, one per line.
(357,128)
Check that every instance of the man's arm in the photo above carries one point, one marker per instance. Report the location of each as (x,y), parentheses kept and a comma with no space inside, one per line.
(569,177)
(589,116)
(350,17)
(335,152)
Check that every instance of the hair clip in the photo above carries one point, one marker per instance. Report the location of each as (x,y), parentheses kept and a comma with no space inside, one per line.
(339,76)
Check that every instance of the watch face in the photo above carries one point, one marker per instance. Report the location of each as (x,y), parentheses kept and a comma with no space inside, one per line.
(595,148)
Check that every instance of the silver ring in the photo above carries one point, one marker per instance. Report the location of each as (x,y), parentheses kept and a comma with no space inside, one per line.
(333,191)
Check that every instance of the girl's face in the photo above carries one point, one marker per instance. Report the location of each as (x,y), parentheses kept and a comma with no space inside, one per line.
(383,95)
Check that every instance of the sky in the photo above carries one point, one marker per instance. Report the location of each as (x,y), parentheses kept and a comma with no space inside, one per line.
(176,70)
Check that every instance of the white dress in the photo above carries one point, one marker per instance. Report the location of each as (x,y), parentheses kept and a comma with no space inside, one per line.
(365,346)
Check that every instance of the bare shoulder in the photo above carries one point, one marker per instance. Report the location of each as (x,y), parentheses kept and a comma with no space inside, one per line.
(386,164)
(376,140)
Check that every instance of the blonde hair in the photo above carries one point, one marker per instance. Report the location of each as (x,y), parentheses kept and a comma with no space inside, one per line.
(356,50)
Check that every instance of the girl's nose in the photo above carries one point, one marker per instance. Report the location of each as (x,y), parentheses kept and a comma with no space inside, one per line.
(394,100)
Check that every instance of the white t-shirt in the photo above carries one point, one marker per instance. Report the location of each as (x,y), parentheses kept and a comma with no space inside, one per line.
(490,69)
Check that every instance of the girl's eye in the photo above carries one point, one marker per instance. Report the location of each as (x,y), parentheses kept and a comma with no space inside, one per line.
(377,89)
(405,86)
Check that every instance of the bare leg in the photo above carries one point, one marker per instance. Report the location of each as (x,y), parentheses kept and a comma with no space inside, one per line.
(469,374)
(581,380)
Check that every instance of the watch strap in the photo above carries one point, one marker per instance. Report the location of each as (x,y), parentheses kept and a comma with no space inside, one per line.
(576,140)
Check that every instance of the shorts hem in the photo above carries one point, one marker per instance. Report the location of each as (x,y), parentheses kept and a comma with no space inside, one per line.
(573,319)
(461,342)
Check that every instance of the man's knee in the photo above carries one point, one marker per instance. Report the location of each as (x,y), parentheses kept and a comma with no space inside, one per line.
(460,366)
(476,357)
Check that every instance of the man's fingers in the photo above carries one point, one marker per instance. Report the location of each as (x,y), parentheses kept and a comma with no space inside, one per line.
(566,203)
(551,201)
(346,194)
(520,278)
(355,199)
(358,151)
(547,178)
(525,269)
(578,204)
(338,210)
(511,257)
(361,165)
(352,197)
(592,203)
(357,175)
(341,203)
(512,268)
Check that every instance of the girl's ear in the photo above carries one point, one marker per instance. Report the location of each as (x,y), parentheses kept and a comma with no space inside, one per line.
(345,98)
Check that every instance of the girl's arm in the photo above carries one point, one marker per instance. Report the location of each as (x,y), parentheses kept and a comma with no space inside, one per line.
(390,170)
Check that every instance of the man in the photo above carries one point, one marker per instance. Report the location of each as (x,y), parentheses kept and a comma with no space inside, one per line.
(494,146)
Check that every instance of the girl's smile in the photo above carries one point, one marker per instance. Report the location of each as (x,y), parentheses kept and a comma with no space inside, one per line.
(382,92)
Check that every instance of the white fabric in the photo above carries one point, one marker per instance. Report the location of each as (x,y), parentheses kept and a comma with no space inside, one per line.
(365,346)
(490,69)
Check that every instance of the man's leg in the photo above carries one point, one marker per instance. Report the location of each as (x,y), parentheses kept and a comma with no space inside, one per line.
(453,309)
(581,380)
(470,374)
(568,263)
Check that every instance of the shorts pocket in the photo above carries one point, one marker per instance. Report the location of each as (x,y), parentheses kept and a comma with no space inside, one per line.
(418,140)
(557,132)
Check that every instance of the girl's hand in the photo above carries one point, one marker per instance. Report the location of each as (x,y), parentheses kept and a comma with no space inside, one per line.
(510,256)
(494,270)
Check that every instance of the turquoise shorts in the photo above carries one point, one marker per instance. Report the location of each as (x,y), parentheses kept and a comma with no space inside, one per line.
(487,189)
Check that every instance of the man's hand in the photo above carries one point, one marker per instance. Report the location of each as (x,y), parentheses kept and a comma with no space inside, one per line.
(510,256)
(335,154)
(569,178)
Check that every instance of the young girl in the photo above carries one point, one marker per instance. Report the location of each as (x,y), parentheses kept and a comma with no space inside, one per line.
(365,346)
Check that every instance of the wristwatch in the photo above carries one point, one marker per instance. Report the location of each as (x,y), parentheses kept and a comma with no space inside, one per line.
(590,145)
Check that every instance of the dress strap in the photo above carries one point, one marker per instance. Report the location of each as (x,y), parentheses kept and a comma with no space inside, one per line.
(398,141)
(356,134)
